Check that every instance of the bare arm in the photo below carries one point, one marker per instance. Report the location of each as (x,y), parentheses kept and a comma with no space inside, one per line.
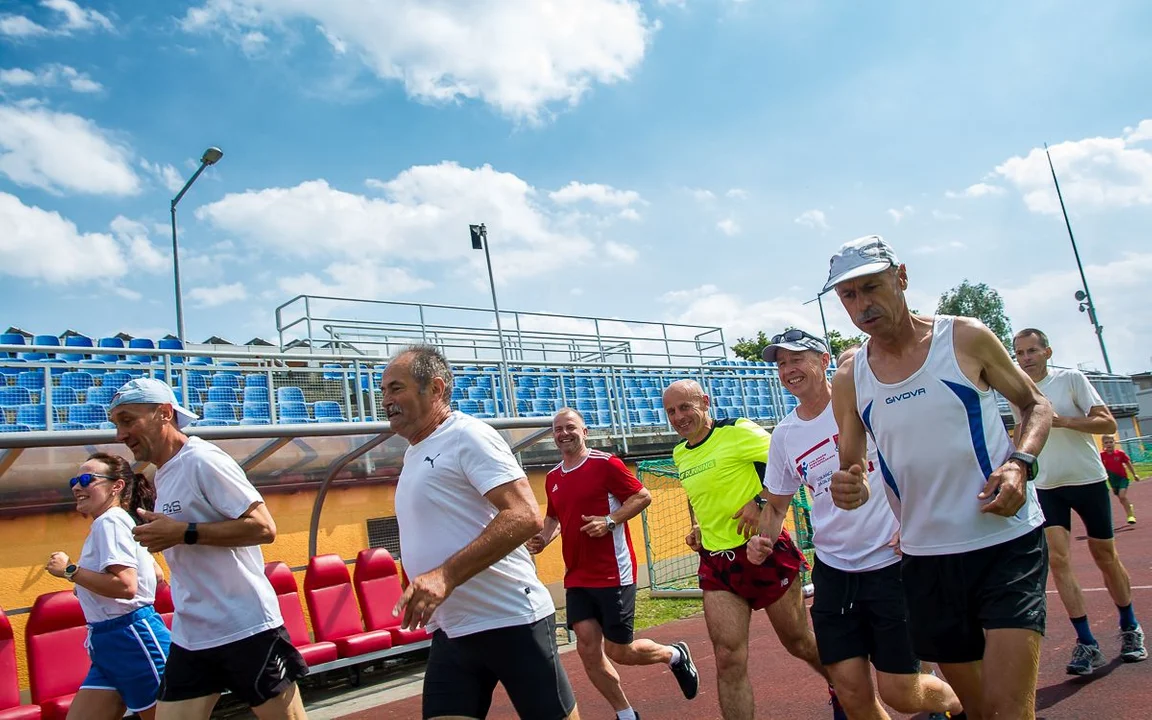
(849,484)
(632,507)
(254,527)
(772,518)
(117,581)
(517,519)
(542,539)
(1098,421)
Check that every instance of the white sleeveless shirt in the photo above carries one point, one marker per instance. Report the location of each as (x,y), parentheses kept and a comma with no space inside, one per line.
(939,438)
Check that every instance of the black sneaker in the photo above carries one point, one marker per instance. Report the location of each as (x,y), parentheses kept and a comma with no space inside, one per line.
(685,671)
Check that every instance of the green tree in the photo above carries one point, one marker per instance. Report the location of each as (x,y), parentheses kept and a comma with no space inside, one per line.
(841,342)
(980,302)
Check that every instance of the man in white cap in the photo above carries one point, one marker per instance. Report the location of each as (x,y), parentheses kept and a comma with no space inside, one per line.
(974,561)
(858,615)
(227,631)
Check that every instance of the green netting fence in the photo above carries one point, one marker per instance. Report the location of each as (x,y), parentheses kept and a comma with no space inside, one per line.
(672,565)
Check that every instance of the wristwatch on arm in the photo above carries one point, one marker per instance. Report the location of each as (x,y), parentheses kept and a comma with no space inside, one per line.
(610,523)
(191,535)
(760,501)
(70,572)
(1028,461)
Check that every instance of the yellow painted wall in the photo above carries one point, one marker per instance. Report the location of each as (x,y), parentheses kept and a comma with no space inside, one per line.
(26,542)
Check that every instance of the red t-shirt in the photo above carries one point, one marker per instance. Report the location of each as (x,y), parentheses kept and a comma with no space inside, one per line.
(595,487)
(1115,462)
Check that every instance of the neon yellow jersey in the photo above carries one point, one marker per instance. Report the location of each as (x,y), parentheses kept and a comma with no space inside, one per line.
(721,474)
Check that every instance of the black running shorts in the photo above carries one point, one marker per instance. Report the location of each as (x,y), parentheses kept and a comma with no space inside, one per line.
(862,614)
(255,669)
(462,672)
(1091,503)
(953,599)
(614,608)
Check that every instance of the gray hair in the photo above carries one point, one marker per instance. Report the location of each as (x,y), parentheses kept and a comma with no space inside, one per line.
(428,363)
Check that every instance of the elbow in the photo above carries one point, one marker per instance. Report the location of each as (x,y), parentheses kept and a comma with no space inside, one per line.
(128,592)
(1109,426)
(267,534)
(528,524)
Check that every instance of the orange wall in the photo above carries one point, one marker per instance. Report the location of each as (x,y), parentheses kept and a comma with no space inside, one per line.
(26,542)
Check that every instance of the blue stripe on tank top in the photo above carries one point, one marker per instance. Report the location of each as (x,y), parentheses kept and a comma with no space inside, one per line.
(971,400)
(888,478)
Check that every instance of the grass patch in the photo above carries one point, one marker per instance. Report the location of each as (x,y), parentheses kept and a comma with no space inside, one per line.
(1143,469)
(652,611)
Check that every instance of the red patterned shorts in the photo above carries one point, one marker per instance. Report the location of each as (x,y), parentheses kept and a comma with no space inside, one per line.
(760,585)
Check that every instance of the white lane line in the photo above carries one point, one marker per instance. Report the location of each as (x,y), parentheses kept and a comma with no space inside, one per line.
(1134,587)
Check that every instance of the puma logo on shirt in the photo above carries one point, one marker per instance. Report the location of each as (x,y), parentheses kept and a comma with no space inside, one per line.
(431,460)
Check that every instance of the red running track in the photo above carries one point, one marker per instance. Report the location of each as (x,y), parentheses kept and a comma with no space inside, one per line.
(785,688)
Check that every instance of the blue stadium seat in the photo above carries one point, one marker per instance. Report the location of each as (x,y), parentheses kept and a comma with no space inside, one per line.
(31,379)
(46,340)
(64,396)
(469,407)
(255,394)
(327,411)
(9,428)
(172,344)
(100,395)
(333,371)
(219,411)
(292,411)
(115,379)
(222,395)
(142,344)
(290,394)
(32,416)
(256,380)
(87,415)
(12,339)
(14,396)
(110,342)
(256,411)
(77,380)
(479,393)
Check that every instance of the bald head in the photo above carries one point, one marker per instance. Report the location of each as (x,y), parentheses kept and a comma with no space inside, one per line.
(687,407)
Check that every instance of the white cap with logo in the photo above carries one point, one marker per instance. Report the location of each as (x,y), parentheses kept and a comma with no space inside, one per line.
(149,391)
(867,255)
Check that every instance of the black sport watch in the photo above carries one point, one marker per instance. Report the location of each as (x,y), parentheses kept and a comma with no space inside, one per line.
(191,535)
(760,501)
(1029,461)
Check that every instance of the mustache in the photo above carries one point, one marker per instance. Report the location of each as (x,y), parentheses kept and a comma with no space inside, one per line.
(869,314)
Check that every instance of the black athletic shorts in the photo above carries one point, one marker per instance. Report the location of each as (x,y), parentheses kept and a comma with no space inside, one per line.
(1091,503)
(862,614)
(462,672)
(255,669)
(953,599)
(613,607)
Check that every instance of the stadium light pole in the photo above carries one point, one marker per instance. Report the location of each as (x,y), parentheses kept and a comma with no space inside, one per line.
(819,299)
(480,242)
(211,156)
(1084,297)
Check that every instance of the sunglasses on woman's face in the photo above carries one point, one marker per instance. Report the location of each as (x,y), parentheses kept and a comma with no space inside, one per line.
(86,479)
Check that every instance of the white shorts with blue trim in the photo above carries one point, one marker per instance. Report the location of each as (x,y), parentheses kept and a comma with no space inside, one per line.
(128,655)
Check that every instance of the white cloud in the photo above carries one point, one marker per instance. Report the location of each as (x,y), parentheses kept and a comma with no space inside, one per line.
(974,191)
(620,252)
(1140,133)
(1095,174)
(365,279)
(1119,289)
(166,174)
(424,214)
(812,218)
(52,75)
(128,294)
(942,247)
(940,215)
(207,297)
(737,193)
(595,193)
(898,215)
(253,43)
(707,305)
(74,18)
(629,214)
(139,248)
(59,152)
(62,254)
(522,58)
(702,195)
(729,227)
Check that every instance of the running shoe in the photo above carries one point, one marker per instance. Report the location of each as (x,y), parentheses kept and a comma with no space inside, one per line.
(1085,659)
(685,671)
(1132,645)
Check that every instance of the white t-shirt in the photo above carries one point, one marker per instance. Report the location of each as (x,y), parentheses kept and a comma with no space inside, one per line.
(221,594)
(441,508)
(1070,457)
(806,451)
(110,542)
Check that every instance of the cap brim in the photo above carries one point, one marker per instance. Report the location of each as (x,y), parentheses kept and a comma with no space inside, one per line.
(870,269)
(184,417)
(769,353)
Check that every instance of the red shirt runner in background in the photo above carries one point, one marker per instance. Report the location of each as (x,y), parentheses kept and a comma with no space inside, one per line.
(1115,462)
(596,487)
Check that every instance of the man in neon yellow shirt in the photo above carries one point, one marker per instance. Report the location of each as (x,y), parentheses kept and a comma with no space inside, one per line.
(721,466)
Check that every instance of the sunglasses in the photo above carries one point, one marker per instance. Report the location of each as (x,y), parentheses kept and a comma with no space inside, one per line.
(792,336)
(86,479)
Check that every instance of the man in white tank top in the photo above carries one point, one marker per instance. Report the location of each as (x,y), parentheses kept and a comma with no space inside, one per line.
(1072,478)
(858,614)
(975,560)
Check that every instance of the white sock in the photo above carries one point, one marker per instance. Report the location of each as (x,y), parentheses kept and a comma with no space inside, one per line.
(628,714)
(676,655)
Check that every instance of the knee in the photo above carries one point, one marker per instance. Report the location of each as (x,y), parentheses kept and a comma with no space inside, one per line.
(800,644)
(899,692)
(591,654)
(1059,561)
(731,659)
(1104,554)
(856,695)
(620,654)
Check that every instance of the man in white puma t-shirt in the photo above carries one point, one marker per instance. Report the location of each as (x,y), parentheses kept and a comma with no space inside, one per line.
(465,510)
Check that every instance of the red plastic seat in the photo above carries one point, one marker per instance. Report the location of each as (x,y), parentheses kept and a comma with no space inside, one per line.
(284,583)
(57,659)
(163,603)
(332,605)
(377,584)
(10,707)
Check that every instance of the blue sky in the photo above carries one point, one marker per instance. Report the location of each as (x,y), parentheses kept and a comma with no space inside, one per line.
(694,160)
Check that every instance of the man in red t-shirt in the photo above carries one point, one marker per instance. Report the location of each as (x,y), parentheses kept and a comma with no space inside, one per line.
(591,497)
(1118,465)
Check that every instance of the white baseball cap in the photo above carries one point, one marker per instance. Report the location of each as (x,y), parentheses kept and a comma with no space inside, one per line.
(867,255)
(149,391)
(795,340)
